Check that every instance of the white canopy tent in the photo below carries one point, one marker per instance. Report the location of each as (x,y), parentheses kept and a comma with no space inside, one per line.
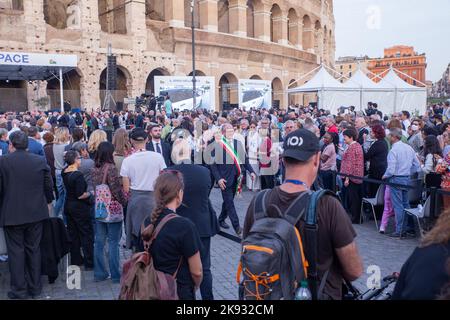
(329,90)
(407,97)
(392,94)
(34,66)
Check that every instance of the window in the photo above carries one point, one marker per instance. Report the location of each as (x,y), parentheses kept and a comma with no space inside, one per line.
(342,66)
(350,66)
(414,82)
(414,72)
(350,74)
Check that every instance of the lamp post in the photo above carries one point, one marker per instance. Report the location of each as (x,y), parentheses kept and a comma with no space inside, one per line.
(194,81)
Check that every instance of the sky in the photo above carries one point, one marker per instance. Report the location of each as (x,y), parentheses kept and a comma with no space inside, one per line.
(368,26)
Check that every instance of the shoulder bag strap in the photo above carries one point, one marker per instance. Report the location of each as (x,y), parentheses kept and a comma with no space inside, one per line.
(311,237)
(147,244)
(105,172)
(298,208)
(178,268)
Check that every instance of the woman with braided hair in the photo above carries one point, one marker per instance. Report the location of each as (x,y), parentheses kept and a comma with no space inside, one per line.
(176,249)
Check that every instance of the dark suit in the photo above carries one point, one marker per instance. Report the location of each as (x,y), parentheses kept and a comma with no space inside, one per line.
(166,151)
(196,207)
(24,176)
(223,167)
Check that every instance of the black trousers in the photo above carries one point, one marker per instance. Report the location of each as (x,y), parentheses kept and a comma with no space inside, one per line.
(354,199)
(228,208)
(206,287)
(81,233)
(267,182)
(24,258)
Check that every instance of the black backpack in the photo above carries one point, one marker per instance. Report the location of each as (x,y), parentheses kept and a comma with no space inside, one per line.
(273,260)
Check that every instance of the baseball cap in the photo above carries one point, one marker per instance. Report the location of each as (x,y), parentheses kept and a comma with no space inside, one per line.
(138,134)
(301,145)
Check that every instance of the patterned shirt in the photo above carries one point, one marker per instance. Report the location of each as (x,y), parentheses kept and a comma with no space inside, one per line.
(353,162)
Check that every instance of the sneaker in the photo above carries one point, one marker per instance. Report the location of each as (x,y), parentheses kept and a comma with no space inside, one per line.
(14,296)
(224,225)
(382,232)
(239,231)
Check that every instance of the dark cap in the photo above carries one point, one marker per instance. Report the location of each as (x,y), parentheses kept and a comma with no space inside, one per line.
(301,145)
(138,134)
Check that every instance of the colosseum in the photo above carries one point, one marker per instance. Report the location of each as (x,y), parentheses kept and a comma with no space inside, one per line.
(276,40)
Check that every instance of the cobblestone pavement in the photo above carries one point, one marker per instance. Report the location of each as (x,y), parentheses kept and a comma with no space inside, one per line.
(376,249)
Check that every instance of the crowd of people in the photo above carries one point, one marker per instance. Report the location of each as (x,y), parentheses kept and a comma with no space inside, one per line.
(111,173)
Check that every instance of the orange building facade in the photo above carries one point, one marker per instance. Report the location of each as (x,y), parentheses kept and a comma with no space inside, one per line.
(404,59)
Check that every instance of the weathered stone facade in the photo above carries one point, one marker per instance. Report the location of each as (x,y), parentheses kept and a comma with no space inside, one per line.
(276,40)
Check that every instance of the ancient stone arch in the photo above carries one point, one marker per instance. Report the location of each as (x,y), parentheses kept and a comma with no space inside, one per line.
(188,15)
(123,80)
(228,90)
(55,12)
(112,16)
(71,87)
(277,92)
(150,82)
(154,9)
(275,19)
(307,33)
(256,77)
(294,29)
(223,15)
(198,73)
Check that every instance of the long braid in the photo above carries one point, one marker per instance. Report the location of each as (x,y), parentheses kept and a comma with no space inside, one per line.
(157,211)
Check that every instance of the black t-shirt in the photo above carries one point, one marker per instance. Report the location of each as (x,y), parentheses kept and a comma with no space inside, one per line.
(335,231)
(178,239)
(424,274)
(75,187)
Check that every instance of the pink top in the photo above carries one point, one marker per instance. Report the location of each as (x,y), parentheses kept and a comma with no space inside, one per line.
(330,164)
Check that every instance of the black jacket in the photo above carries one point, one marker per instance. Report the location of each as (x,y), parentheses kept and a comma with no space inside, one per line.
(223,166)
(196,205)
(55,244)
(166,150)
(26,187)
(377,155)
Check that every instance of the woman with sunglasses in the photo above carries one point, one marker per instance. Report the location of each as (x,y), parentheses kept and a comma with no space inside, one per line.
(176,249)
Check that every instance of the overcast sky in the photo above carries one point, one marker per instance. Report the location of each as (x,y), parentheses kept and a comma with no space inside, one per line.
(368,26)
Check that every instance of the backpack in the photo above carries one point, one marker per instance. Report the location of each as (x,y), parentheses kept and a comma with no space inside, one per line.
(107,209)
(140,280)
(273,260)
(103,199)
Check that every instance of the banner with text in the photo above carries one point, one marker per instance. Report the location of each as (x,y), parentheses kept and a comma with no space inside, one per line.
(256,94)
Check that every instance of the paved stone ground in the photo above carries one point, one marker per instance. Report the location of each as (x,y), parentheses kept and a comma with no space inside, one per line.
(376,249)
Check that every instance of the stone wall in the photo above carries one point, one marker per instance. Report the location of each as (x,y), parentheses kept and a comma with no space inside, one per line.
(154,37)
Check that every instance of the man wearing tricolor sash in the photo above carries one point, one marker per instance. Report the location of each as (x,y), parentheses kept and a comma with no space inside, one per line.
(230,160)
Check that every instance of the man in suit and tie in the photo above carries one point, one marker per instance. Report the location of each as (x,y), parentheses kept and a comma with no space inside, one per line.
(229,158)
(155,144)
(24,175)
(197,207)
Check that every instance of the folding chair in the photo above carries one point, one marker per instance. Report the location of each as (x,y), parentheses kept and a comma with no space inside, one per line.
(419,213)
(374,202)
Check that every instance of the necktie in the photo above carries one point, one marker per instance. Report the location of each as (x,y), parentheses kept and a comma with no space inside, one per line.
(158,148)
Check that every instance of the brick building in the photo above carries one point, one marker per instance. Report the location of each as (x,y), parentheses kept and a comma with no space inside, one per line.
(404,59)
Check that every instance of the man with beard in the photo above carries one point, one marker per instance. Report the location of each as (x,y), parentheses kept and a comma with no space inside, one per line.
(157,145)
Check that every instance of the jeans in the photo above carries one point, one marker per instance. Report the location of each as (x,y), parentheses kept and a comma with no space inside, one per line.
(400,201)
(59,204)
(111,232)
(327,179)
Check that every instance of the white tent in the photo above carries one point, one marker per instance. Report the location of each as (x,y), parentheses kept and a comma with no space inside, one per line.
(406,96)
(391,94)
(329,90)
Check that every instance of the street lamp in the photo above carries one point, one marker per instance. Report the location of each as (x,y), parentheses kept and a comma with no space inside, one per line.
(194,85)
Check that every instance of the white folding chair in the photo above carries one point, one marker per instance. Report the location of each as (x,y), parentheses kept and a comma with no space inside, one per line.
(374,202)
(418,214)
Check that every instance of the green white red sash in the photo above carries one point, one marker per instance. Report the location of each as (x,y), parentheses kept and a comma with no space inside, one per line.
(234,155)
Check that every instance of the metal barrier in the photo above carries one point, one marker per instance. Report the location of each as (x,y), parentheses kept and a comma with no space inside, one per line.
(433,191)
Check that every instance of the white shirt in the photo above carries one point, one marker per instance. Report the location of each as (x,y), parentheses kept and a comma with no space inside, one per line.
(142,168)
(402,160)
